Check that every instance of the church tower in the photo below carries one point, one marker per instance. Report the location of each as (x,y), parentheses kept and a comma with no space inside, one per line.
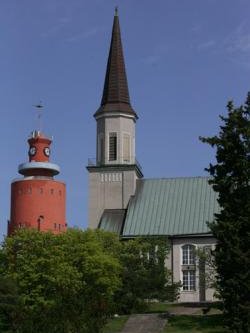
(37,200)
(112,176)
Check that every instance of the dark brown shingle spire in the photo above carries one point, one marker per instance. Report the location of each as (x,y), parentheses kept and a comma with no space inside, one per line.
(115,95)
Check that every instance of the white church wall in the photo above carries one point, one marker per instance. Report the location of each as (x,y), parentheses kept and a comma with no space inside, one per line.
(178,269)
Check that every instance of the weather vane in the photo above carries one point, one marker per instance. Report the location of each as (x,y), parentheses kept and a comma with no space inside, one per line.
(39,108)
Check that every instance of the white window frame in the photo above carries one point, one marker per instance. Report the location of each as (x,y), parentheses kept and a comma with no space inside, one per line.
(191,260)
(189,280)
(188,258)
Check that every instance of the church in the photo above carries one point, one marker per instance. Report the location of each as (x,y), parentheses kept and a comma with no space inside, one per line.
(121,200)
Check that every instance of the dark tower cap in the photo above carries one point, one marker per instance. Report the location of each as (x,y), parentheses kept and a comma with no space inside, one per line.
(115,95)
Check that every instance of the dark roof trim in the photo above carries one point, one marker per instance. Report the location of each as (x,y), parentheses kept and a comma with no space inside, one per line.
(116,168)
(205,235)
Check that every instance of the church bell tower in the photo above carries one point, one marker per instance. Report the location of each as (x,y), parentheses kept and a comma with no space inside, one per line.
(113,174)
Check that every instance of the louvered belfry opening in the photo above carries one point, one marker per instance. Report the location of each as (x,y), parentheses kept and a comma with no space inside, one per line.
(112,146)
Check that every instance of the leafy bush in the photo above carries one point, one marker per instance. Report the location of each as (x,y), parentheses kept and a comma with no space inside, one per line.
(65,283)
(74,281)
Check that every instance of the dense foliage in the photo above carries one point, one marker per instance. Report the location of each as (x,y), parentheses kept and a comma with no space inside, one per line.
(8,304)
(73,282)
(65,283)
(144,275)
(231,179)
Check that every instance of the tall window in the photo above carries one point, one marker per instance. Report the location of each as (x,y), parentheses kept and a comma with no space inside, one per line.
(188,255)
(112,146)
(189,273)
(126,147)
(188,281)
(101,149)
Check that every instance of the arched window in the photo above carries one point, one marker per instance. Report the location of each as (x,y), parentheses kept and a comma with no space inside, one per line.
(188,254)
(188,268)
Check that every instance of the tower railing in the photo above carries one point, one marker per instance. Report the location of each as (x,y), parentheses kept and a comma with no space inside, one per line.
(93,162)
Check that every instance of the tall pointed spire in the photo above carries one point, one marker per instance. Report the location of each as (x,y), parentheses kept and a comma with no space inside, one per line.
(115,95)
(113,174)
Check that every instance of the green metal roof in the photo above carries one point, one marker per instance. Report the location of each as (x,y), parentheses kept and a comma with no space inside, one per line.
(174,206)
(112,220)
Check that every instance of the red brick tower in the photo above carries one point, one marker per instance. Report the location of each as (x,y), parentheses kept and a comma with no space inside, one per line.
(37,200)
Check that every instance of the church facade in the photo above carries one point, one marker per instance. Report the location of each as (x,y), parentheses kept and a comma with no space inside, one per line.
(121,200)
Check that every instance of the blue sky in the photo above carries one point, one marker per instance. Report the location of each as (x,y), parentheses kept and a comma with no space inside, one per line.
(184,61)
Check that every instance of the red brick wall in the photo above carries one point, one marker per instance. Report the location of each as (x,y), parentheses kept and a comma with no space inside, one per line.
(39,204)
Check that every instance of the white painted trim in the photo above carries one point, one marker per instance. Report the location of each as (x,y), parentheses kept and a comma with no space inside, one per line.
(195,287)
(39,165)
(130,147)
(194,245)
(181,264)
(115,114)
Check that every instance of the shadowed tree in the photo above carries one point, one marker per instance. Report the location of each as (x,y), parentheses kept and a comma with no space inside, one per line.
(9,314)
(231,226)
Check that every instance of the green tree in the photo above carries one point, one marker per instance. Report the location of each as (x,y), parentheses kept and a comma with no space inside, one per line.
(231,179)
(65,283)
(8,305)
(144,275)
(72,282)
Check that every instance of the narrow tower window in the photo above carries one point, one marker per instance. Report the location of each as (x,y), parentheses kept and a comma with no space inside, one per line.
(112,146)
(100,148)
